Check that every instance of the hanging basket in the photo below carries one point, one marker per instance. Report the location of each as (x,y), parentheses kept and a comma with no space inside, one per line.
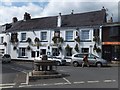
(28,48)
(29,40)
(5,44)
(76,48)
(36,40)
(77,39)
(14,48)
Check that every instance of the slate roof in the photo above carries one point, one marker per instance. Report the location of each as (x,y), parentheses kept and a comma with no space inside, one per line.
(71,20)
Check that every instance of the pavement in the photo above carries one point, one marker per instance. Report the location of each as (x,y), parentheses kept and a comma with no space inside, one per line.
(114,63)
(111,64)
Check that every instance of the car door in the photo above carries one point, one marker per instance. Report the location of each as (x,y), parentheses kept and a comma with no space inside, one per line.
(91,59)
(79,58)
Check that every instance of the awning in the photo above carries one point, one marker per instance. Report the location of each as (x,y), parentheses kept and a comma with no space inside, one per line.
(110,43)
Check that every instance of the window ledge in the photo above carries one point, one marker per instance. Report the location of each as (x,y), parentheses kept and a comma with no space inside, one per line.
(85,40)
(44,41)
(23,41)
(69,41)
(23,57)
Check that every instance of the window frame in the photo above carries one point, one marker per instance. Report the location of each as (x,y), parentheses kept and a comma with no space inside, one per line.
(41,34)
(68,35)
(83,36)
(1,39)
(84,50)
(22,53)
(22,37)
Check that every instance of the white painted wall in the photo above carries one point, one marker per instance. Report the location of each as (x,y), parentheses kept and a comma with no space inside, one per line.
(50,34)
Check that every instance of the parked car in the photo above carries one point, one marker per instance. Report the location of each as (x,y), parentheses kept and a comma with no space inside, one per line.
(6,58)
(59,60)
(77,59)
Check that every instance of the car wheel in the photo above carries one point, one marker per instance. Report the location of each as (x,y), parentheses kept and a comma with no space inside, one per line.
(75,64)
(58,63)
(99,64)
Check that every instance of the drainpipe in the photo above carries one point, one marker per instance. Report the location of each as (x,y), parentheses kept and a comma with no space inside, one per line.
(59,20)
(8,43)
(100,39)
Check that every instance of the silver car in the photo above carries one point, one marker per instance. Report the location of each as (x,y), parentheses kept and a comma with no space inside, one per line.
(6,58)
(77,59)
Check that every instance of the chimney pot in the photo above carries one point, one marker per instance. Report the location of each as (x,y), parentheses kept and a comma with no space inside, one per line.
(59,20)
(14,19)
(27,16)
(72,12)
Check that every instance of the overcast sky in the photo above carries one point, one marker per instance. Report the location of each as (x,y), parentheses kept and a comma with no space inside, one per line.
(44,8)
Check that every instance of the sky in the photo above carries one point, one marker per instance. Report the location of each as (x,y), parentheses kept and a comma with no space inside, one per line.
(45,8)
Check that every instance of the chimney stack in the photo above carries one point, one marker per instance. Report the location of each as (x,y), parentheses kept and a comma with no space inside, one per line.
(14,20)
(72,12)
(59,20)
(27,16)
(110,20)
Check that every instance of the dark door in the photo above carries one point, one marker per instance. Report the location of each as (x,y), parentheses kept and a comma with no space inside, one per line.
(43,51)
(107,52)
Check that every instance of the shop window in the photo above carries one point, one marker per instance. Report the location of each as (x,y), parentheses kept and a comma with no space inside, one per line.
(55,52)
(33,54)
(69,52)
(22,52)
(85,50)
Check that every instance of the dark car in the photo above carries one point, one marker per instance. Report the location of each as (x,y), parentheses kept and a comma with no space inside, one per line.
(6,58)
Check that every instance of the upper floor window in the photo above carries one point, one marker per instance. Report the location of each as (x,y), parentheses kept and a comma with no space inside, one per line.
(69,35)
(43,36)
(23,36)
(1,39)
(85,35)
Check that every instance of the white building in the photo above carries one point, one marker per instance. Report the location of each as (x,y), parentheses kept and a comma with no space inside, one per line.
(61,35)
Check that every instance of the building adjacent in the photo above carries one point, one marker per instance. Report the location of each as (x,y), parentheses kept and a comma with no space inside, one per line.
(111,41)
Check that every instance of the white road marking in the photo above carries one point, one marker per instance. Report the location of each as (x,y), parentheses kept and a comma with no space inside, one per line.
(27,77)
(114,80)
(11,85)
(7,84)
(6,87)
(81,82)
(109,81)
(93,81)
(58,83)
(67,80)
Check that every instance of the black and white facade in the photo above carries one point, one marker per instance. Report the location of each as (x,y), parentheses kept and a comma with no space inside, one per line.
(61,35)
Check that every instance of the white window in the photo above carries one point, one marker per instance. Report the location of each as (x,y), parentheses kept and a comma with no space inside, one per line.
(43,36)
(85,34)
(23,36)
(22,52)
(1,40)
(69,35)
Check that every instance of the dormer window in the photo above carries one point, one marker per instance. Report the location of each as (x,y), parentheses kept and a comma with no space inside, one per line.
(23,36)
(43,36)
